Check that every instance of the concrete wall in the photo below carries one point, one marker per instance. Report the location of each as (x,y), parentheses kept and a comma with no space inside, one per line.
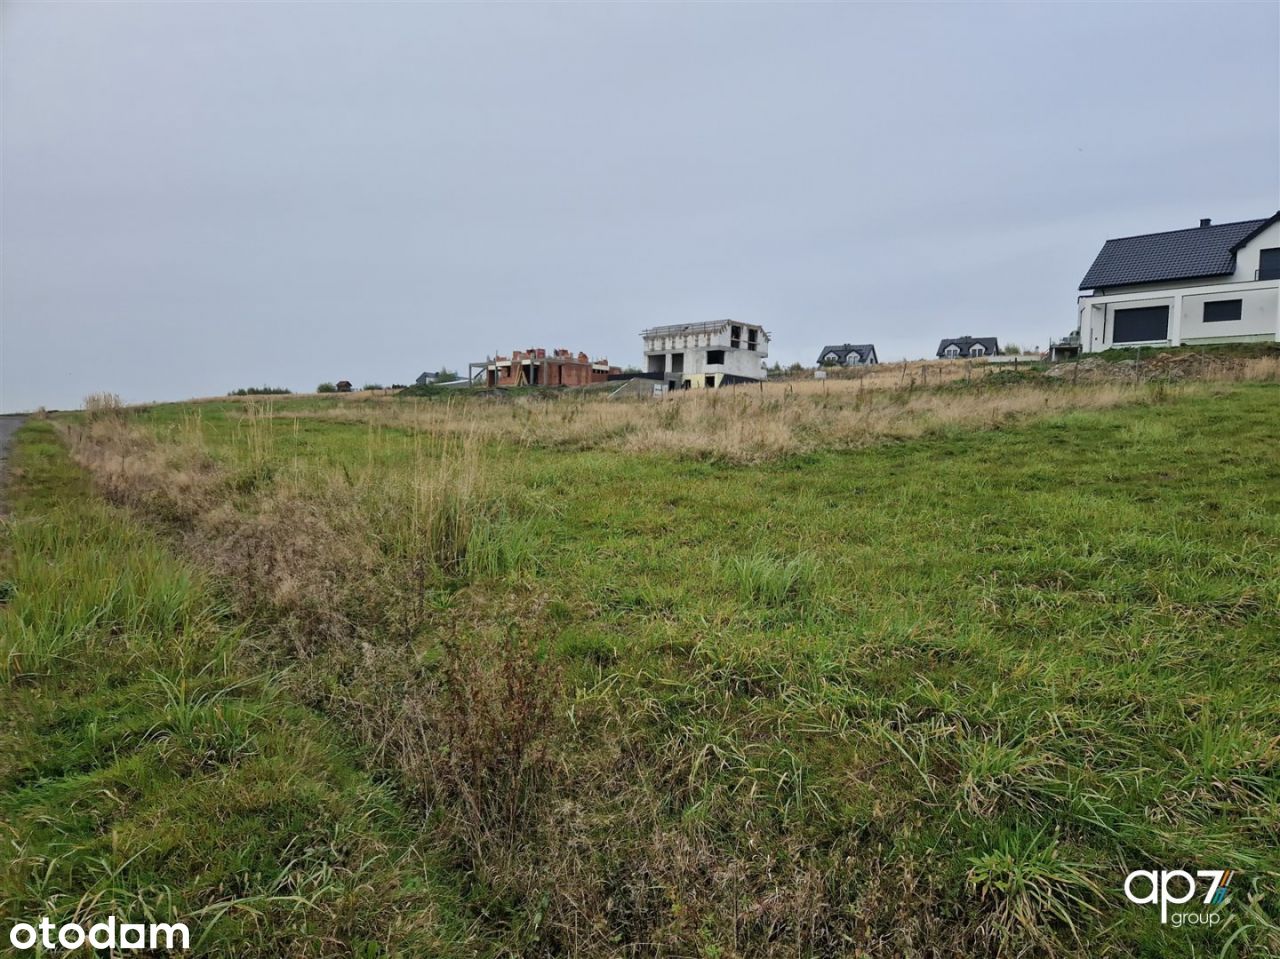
(1258,316)
(694,364)
(675,341)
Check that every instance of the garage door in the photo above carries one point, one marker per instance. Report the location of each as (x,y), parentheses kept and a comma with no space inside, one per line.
(1141,325)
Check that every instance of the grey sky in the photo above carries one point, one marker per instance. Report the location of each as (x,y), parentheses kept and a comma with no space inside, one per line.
(204,196)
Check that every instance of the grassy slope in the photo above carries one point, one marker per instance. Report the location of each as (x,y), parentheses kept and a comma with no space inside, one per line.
(1020,649)
(1068,633)
(980,676)
(141,775)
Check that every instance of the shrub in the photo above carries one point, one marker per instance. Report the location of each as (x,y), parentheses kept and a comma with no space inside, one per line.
(372,386)
(326,388)
(492,723)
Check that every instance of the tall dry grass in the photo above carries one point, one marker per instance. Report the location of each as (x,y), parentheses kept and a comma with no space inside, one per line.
(736,425)
(99,405)
(319,546)
(753,423)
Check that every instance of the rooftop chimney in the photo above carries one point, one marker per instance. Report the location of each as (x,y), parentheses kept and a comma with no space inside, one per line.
(1205,221)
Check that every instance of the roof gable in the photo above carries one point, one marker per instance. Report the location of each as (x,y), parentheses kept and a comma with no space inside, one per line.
(1173,255)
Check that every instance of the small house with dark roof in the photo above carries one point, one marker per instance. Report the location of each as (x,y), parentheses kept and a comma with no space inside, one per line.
(1212,283)
(967,347)
(848,354)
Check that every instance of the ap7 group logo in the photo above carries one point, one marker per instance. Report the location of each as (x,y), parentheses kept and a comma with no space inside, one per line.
(1177,886)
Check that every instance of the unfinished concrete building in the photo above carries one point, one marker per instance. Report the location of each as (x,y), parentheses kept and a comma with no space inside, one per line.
(699,355)
(535,367)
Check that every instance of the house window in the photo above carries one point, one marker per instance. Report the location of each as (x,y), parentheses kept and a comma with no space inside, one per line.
(1269,264)
(952,351)
(853,359)
(977,350)
(1222,311)
(735,336)
(751,339)
(831,358)
(715,356)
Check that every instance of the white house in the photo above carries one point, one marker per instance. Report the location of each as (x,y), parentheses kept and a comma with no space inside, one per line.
(698,355)
(968,347)
(1208,284)
(848,354)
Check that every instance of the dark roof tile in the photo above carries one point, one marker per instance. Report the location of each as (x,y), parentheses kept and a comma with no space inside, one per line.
(1175,255)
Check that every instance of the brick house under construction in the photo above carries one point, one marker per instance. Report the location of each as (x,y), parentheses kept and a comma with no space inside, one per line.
(535,367)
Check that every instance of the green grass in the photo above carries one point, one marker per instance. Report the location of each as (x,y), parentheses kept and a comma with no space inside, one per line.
(934,697)
(142,774)
(1218,350)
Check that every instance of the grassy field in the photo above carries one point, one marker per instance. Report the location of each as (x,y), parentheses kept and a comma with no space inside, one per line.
(825,671)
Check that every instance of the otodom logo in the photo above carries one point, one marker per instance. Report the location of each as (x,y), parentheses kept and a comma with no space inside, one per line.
(110,934)
(1178,887)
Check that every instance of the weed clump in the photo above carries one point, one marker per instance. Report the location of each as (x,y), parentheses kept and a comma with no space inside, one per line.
(761,578)
(99,406)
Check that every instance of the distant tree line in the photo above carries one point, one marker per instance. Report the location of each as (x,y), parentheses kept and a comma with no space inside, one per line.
(260,391)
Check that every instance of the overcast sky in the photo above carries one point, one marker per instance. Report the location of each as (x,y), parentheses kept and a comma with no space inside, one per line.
(202,196)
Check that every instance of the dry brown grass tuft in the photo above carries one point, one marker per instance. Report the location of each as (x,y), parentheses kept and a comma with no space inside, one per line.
(100,405)
(172,481)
